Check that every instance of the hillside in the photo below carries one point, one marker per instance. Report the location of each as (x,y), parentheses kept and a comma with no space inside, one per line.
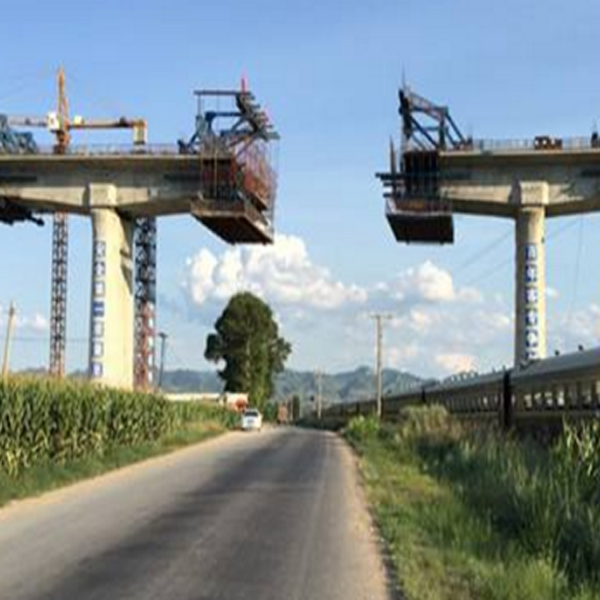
(338,387)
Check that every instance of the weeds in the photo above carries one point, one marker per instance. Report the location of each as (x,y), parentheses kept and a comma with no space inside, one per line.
(482,516)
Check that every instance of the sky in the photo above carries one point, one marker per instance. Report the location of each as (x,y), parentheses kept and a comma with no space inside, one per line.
(328,72)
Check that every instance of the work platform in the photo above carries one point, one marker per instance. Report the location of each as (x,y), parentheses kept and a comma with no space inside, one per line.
(234,221)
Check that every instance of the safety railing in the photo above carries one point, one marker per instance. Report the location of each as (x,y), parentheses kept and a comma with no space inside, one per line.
(113,150)
(569,144)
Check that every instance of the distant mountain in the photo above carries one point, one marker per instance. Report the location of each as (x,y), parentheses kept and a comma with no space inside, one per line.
(187,380)
(347,386)
(339,387)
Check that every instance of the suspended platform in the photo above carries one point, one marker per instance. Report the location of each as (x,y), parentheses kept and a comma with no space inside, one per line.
(414,222)
(414,209)
(234,221)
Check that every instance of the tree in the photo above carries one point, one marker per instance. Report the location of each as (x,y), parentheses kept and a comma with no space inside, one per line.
(247,339)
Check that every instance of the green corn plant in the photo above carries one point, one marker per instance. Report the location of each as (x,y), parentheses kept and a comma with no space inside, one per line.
(43,419)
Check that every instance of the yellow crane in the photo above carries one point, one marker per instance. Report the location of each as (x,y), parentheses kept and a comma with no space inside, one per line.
(60,124)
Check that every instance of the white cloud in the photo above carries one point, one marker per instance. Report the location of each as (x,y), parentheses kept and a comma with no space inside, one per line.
(282,273)
(578,327)
(455,362)
(34,323)
(399,356)
(426,282)
(438,327)
(421,320)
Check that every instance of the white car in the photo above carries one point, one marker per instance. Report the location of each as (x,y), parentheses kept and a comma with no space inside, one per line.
(251,419)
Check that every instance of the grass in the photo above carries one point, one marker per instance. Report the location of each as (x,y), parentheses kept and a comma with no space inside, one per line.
(483,518)
(49,475)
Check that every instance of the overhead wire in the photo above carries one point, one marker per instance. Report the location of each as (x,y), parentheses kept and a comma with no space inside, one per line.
(23,83)
(42,339)
(112,108)
(482,252)
(576,272)
(507,261)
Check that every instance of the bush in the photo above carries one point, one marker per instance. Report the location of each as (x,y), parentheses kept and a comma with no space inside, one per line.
(361,428)
(546,501)
(43,419)
(270,411)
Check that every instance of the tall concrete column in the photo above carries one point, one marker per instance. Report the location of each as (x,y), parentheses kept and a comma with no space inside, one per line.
(530,285)
(112,309)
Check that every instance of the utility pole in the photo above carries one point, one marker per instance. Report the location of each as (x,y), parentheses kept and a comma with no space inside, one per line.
(163,352)
(379,318)
(9,328)
(318,377)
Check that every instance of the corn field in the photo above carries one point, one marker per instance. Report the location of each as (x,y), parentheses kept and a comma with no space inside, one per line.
(42,419)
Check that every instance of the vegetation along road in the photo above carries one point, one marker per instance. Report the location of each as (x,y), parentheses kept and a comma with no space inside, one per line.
(272,515)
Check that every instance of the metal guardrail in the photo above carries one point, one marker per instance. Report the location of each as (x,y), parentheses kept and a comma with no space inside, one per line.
(570,144)
(110,150)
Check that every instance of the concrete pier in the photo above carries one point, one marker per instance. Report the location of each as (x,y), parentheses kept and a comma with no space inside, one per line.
(530,285)
(112,308)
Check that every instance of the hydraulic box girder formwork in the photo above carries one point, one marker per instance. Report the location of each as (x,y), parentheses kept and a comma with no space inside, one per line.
(415,209)
(238,180)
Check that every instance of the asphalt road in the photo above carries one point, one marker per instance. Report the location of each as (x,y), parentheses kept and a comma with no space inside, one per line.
(270,516)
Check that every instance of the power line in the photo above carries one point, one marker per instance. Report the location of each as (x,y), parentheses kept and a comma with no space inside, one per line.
(479,254)
(101,101)
(509,260)
(24,82)
(576,270)
(43,340)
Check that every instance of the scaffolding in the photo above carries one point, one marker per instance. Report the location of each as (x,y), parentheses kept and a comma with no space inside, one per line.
(145,302)
(415,209)
(58,305)
(238,183)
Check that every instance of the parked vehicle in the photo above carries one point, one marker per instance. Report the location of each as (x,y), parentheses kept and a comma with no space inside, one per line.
(251,420)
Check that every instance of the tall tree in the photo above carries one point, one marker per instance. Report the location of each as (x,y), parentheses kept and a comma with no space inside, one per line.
(247,339)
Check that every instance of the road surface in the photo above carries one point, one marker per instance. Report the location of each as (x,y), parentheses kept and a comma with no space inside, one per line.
(276,515)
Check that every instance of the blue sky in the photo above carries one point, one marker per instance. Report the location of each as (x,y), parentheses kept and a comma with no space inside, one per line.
(328,72)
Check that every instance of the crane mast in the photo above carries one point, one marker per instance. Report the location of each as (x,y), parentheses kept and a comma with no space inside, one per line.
(60,247)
